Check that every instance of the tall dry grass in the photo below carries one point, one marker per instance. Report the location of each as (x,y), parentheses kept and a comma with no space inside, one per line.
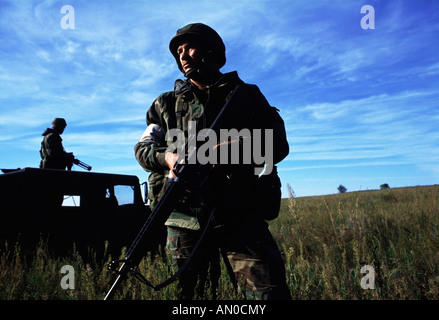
(325,241)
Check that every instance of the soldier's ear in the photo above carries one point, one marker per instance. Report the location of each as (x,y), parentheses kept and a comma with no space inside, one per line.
(210,59)
(208,56)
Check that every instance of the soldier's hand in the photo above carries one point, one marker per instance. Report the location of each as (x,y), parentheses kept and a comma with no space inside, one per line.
(225,143)
(171,160)
(70,156)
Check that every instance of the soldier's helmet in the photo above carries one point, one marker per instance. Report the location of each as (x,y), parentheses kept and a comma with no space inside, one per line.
(208,38)
(59,123)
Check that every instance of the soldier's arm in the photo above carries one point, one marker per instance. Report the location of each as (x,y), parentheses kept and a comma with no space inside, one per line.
(151,148)
(54,147)
(272,120)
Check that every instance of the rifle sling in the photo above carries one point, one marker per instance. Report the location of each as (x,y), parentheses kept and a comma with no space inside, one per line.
(174,277)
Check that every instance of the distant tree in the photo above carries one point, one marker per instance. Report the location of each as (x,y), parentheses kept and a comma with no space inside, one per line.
(342,189)
(384,186)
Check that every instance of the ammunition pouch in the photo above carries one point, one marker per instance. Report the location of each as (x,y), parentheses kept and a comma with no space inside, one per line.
(268,193)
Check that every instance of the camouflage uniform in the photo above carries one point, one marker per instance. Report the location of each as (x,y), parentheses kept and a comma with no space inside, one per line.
(52,152)
(239,231)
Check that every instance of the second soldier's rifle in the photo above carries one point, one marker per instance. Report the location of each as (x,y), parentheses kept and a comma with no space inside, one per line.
(78,162)
(81,164)
(190,175)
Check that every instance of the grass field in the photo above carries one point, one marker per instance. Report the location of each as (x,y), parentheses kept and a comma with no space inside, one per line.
(325,241)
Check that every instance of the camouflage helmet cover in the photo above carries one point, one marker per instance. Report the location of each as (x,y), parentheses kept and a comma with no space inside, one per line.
(209,38)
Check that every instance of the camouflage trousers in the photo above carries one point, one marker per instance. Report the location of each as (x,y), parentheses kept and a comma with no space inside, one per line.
(249,251)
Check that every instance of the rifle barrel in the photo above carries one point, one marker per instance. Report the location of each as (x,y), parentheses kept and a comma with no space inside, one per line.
(115,285)
(81,164)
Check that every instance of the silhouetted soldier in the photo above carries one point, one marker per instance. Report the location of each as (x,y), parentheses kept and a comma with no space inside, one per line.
(52,152)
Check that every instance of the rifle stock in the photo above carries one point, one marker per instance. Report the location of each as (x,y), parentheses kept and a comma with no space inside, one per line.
(188,176)
(139,246)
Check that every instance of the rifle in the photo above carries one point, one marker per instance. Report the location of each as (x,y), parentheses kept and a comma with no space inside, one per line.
(189,176)
(72,160)
(81,164)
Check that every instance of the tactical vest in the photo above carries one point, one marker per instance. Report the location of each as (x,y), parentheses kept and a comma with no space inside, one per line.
(266,190)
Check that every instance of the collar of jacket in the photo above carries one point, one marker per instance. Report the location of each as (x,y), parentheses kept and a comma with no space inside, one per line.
(47,131)
(182,87)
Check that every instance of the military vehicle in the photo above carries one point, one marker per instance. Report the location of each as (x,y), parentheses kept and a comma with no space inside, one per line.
(86,212)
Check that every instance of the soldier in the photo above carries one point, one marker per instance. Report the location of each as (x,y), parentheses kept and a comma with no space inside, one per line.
(239,229)
(52,152)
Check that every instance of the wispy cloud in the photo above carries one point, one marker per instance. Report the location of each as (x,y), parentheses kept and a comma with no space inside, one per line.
(389,127)
(349,97)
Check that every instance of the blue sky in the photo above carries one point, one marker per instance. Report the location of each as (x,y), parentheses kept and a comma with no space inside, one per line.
(361,106)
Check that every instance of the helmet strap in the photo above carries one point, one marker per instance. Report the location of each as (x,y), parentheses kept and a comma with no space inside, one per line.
(200,70)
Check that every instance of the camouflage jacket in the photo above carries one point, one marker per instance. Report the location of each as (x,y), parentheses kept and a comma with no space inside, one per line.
(174,110)
(52,151)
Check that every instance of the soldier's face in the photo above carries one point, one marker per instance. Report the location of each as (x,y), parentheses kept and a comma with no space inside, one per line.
(190,55)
